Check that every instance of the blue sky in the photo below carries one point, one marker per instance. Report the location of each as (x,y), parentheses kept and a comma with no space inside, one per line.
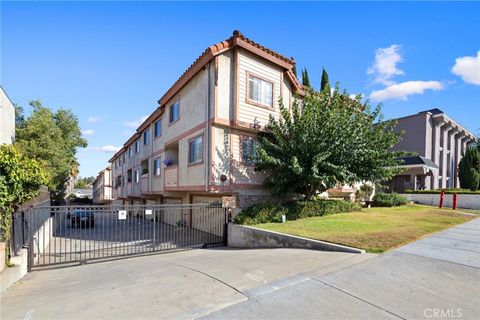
(110,61)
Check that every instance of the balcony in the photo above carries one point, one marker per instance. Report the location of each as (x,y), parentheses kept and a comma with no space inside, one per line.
(171,176)
(144,187)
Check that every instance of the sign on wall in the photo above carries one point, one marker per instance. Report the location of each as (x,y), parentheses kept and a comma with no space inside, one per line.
(122,214)
(229,202)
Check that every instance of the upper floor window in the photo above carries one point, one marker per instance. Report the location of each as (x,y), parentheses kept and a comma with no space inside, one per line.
(137,176)
(137,146)
(146,136)
(124,157)
(157,128)
(156,167)
(248,151)
(175,111)
(129,175)
(260,91)
(144,165)
(195,150)
(130,151)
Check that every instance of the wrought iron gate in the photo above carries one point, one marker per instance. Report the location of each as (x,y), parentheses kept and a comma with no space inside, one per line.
(66,234)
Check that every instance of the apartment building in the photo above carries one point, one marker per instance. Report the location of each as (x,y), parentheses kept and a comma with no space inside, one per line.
(439,142)
(197,145)
(102,187)
(7,118)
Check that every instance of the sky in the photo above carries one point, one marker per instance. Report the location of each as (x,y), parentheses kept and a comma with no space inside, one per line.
(111,61)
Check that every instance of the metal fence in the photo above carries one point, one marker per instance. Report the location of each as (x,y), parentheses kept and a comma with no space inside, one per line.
(65,234)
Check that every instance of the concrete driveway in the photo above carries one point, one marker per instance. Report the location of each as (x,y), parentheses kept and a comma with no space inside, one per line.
(437,277)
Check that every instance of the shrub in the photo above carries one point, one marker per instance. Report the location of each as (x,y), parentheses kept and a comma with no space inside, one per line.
(388,200)
(272,212)
(261,213)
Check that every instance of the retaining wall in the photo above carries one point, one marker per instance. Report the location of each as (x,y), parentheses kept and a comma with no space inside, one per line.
(249,237)
(466,201)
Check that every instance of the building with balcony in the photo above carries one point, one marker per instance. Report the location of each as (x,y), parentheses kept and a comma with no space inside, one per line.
(102,187)
(439,143)
(7,118)
(197,145)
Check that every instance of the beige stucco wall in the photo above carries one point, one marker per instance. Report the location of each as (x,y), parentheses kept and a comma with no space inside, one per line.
(7,119)
(248,62)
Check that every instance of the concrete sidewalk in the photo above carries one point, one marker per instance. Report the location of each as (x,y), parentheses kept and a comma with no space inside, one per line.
(180,285)
(437,277)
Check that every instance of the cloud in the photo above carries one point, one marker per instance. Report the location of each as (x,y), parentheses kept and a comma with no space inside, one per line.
(135,123)
(107,149)
(385,66)
(93,119)
(88,132)
(468,68)
(400,91)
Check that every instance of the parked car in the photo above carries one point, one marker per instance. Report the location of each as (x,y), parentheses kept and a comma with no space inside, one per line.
(82,219)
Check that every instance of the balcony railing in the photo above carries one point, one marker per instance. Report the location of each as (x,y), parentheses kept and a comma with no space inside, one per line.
(171,176)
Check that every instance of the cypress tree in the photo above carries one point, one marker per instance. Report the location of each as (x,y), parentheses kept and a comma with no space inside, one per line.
(305,79)
(469,169)
(325,84)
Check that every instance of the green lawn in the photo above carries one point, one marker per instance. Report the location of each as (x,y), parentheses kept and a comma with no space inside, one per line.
(375,229)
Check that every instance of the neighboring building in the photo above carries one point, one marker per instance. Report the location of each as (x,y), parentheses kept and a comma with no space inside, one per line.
(196,146)
(439,143)
(7,118)
(102,187)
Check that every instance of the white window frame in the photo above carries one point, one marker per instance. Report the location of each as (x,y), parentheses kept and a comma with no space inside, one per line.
(260,91)
(190,143)
(177,105)
(157,165)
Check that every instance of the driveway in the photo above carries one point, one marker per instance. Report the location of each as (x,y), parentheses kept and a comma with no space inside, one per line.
(437,277)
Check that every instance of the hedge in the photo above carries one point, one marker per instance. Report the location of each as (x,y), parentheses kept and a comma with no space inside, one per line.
(272,212)
(447,191)
(389,200)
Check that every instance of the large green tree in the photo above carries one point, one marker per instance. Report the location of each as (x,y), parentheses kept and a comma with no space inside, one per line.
(469,169)
(325,140)
(52,137)
(20,179)
(305,78)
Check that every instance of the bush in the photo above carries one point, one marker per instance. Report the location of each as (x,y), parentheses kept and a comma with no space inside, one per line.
(388,200)
(272,212)
(261,213)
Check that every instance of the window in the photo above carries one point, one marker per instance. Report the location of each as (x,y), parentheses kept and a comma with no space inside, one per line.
(248,151)
(118,182)
(146,137)
(130,151)
(157,128)
(124,157)
(175,112)
(137,146)
(156,167)
(137,176)
(144,165)
(195,150)
(260,91)
(129,175)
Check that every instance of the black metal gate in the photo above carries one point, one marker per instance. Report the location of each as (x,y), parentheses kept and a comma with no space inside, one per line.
(66,234)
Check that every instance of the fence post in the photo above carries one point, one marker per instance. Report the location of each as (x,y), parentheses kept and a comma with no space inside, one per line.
(30,239)
(454,205)
(442,195)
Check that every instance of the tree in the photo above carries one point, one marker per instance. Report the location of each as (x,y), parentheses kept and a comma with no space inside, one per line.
(20,180)
(54,138)
(328,140)
(469,169)
(325,84)
(305,79)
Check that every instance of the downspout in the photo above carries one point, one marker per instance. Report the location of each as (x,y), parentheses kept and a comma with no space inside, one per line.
(207,133)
